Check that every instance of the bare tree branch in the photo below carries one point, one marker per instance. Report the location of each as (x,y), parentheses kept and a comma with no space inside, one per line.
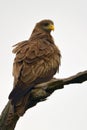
(38,94)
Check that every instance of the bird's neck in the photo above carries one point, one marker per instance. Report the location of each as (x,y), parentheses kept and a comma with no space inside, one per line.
(39,34)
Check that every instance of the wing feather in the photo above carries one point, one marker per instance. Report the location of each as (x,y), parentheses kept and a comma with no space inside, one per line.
(35,62)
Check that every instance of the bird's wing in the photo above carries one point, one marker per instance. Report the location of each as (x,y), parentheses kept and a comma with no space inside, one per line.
(30,57)
(30,65)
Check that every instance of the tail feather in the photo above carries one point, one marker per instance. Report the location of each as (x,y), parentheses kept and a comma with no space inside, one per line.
(18,92)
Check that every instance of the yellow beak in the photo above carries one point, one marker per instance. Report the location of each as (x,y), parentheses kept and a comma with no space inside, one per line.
(51,27)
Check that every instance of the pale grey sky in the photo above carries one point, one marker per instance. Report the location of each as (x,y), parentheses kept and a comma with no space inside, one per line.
(66,109)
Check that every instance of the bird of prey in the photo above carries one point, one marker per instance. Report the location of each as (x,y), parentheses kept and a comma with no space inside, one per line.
(36,61)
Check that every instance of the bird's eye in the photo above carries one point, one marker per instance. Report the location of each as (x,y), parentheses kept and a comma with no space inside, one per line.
(46,24)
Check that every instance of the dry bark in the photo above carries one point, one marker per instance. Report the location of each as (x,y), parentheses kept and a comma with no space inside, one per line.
(38,94)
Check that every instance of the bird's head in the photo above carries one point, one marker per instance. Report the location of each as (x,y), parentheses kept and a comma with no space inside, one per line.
(45,25)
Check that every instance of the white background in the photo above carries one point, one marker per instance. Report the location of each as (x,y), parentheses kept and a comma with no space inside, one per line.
(65,109)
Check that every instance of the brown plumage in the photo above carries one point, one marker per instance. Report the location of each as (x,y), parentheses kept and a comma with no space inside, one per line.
(36,61)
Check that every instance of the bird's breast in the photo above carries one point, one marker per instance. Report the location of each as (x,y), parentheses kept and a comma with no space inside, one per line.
(51,63)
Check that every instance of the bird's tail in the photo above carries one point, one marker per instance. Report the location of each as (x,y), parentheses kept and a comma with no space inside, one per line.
(19,91)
